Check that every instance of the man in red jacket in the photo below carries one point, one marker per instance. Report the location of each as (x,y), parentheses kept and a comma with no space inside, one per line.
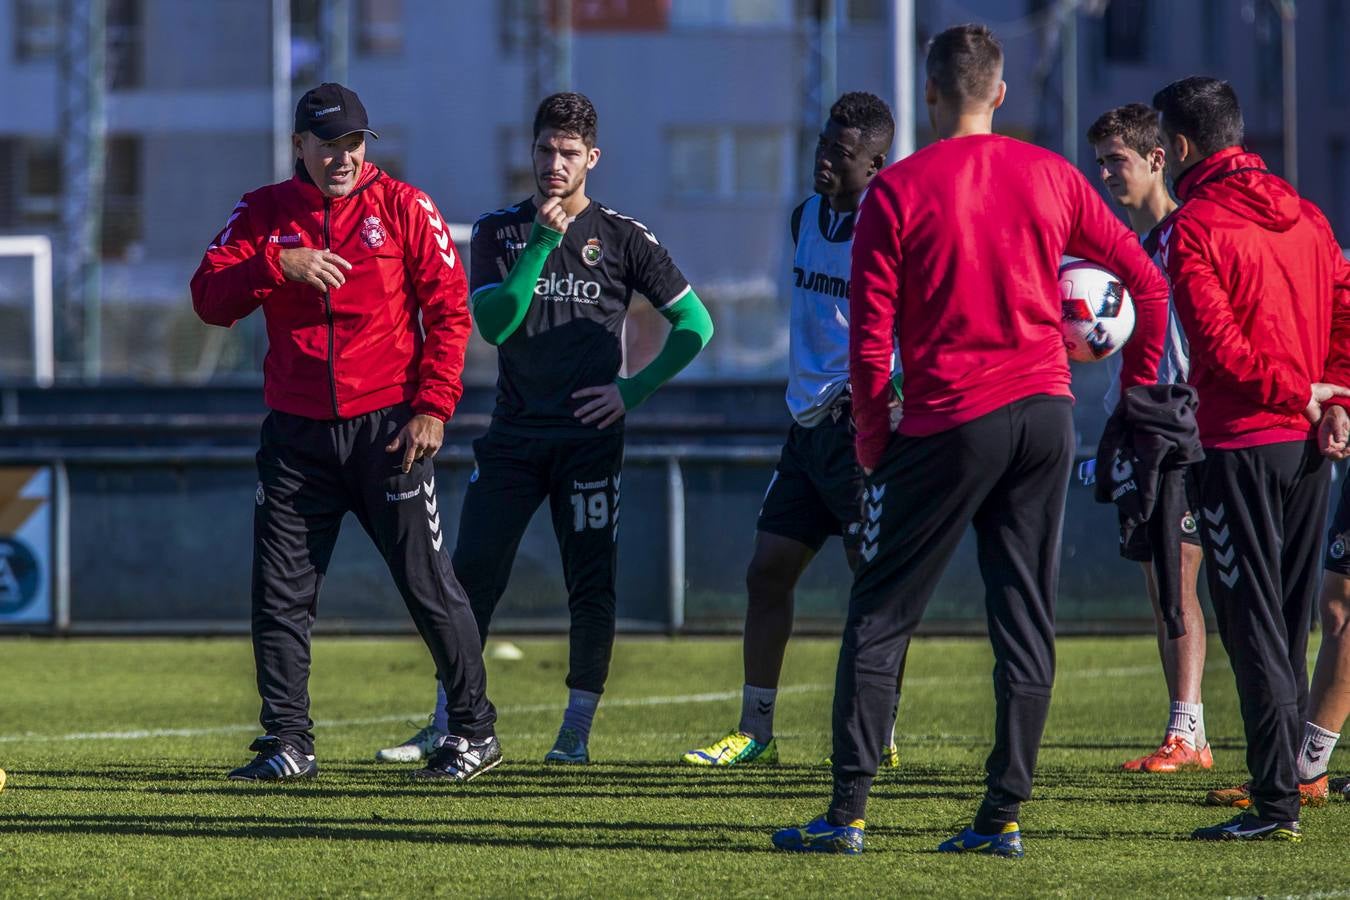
(1259,284)
(955,258)
(344,261)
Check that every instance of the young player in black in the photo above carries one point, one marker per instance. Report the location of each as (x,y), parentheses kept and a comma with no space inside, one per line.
(551,281)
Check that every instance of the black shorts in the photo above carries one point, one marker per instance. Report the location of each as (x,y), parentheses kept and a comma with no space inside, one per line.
(1137,547)
(816,490)
(1338,538)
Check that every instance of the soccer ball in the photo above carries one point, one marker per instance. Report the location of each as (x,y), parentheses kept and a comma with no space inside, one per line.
(1098,313)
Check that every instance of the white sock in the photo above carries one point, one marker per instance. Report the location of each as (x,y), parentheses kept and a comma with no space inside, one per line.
(1314,753)
(757,712)
(1188,721)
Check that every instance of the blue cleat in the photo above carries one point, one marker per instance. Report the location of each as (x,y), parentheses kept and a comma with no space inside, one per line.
(819,836)
(1007,843)
(568,749)
(1247,827)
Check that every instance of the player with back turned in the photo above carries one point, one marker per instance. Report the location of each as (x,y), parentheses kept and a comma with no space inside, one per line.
(816,489)
(955,260)
(551,281)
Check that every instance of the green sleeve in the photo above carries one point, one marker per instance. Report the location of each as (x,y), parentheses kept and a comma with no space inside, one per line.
(691,328)
(499,310)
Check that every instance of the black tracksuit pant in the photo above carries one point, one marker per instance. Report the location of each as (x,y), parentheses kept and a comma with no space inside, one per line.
(1007,473)
(579,476)
(1262,513)
(311,473)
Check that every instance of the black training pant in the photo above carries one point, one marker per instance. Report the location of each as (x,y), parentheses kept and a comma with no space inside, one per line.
(310,474)
(579,476)
(1262,513)
(1007,473)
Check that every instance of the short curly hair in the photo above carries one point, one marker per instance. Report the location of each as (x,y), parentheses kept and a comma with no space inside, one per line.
(568,112)
(870,115)
(1134,123)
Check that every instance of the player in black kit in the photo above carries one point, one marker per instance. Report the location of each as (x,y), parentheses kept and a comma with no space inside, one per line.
(551,280)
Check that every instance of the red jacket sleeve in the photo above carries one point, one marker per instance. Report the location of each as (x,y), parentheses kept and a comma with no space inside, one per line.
(442,293)
(1206,314)
(1337,370)
(1100,237)
(240,269)
(874,291)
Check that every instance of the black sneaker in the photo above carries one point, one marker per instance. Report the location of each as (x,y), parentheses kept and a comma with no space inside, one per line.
(461,759)
(276,761)
(1247,827)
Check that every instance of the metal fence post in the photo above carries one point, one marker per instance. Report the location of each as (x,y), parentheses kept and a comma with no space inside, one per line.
(675,542)
(60,547)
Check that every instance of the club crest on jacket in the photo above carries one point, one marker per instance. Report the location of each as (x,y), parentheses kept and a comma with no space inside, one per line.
(372,232)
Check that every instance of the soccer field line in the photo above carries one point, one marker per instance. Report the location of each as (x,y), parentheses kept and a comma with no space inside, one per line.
(141,734)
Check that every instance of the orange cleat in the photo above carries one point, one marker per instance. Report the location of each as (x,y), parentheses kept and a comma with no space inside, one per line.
(1311,793)
(1173,756)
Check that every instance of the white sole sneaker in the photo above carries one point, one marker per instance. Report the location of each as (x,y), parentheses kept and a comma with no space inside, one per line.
(406,753)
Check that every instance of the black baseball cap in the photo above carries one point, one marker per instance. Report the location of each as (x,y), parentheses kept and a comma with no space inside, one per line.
(331,111)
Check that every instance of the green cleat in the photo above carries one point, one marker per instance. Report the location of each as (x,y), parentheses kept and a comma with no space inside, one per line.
(736,749)
(569,749)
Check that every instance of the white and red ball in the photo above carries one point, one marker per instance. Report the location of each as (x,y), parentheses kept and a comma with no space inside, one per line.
(1098,314)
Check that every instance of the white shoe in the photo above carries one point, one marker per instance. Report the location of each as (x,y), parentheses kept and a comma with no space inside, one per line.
(414,749)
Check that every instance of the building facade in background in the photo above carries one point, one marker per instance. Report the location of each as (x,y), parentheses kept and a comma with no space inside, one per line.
(707,115)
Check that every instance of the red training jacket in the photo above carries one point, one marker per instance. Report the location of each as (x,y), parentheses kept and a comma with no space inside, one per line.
(359,347)
(1263,294)
(956,253)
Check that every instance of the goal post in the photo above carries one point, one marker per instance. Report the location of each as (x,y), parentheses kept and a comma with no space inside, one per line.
(38,247)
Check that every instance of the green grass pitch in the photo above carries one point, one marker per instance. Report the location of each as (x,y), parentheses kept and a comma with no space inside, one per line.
(116,752)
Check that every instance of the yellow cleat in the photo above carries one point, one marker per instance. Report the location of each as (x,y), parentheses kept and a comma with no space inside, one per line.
(736,749)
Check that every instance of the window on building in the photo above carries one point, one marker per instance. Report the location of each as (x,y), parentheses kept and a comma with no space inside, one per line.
(30,184)
(730,13)
(379,27)
(125,44)
(1125,28)
(867,12)
(37,30)
(759,163)
(727,163)
(694,163)
(122,190)
(306,43)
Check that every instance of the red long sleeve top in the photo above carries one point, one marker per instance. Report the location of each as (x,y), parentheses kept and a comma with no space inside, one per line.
(956,254)
(394,332)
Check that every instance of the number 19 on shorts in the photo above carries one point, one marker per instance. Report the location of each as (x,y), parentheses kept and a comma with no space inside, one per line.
(590,511)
